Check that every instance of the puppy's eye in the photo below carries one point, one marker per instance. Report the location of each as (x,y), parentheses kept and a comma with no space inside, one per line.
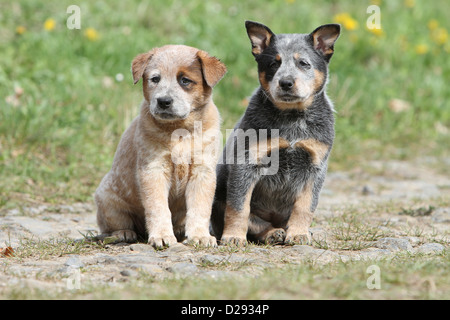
(155,79)
(304,64)
(274,65)
(185,81)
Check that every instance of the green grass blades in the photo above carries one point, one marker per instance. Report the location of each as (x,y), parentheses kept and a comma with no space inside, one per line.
(66,95)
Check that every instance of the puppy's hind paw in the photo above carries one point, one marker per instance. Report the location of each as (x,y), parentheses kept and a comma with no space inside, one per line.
(128,236)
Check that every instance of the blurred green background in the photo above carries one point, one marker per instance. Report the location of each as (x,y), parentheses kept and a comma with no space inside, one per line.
(66,96)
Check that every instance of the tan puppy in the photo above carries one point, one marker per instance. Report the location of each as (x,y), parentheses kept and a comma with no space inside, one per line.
(163,179)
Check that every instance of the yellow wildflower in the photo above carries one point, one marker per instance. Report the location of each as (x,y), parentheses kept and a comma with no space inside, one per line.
(49,24)
(376,2)
(91,34)
(421,49)
(376,31)
(440,36)
(433,24)
(410,3)
(347,21)
(21,30)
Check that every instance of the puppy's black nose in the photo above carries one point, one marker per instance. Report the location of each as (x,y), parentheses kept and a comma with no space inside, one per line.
(286,84)
(164,102)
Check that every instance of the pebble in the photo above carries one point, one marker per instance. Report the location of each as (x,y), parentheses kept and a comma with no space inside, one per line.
(318,255)
(441,215)
(74,262)
(428,248)
(183,268)
(394,244)
(109,263)
(139,247)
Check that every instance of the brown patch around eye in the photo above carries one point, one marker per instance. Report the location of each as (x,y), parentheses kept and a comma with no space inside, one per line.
(197,87)
(193,73)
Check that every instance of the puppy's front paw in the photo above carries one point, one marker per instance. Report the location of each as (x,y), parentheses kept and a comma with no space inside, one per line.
(230,240)
(207,241)
(302,239)
(159,242)
(125,236)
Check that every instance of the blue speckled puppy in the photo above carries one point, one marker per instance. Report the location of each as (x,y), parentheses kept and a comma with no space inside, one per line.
(279,207)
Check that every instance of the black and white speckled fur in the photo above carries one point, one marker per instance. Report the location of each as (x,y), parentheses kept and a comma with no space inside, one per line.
(301,112)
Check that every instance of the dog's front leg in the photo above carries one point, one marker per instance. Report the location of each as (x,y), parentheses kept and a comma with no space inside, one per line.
(301,217)
(241,183)
(199,199)
(155,185)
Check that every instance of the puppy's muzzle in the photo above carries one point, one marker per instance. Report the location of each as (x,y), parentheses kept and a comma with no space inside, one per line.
(164,103)
(286,84)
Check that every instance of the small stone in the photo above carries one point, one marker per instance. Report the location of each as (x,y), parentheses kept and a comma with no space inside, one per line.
(104,259)
(431,248)
(128,273)
(139,247)
(151,269)
(441,215)
(74,262)
(394,244)
(183,268)
(306,250)
(318,255)
(367,191)
(138,258)
(212,259)
(371,254)
(178,248)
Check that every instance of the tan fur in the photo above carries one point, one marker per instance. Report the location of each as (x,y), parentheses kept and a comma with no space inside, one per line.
(260,150)
(263,81)
(297,105)
(319,78)
(146,192)
(236,222)
(301,217)
(316,149)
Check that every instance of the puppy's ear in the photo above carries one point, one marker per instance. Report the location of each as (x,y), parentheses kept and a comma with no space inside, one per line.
(260,36)
(213,69)
(323,39)
(139,64)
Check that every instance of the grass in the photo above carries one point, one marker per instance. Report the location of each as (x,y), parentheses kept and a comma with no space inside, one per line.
(267,273)
(403,276)
(64,105)
(54,247)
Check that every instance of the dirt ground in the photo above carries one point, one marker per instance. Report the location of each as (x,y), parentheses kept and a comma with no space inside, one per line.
(364,214)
